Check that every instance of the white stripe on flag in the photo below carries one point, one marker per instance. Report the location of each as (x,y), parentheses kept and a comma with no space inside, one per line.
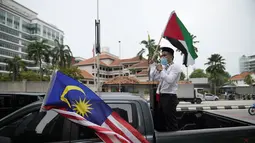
(123,129)
(111,134)
(190,60)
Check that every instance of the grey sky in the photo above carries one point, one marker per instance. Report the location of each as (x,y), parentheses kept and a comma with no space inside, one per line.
(222,26)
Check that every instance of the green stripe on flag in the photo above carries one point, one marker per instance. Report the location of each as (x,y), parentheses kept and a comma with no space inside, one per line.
(187,38)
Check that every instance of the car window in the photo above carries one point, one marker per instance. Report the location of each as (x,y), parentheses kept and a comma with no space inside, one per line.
(126,111)
(24,129)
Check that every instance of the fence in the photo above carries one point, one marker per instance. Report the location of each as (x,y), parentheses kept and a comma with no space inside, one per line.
(27,86)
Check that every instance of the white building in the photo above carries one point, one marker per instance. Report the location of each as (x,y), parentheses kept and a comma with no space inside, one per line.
(247,63)
(18,26)
(238,80)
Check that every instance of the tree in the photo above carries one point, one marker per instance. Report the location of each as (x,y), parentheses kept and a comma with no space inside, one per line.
(198,73)
(30,76)
(215,69)
(72,71)
(62,55)
(151,47)
(182,76)
(249,80)
(39,52)
(14,66)
(133,71)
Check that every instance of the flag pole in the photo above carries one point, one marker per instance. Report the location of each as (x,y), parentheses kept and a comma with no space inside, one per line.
(120,66)
(158,45)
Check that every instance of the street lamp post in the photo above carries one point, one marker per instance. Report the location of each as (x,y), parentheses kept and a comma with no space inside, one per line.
(119,66)
(98,49)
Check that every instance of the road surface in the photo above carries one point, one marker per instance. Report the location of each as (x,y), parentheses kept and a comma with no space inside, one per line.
(218,103)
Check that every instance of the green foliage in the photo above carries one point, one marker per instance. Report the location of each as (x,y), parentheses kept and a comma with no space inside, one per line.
(182,76)
(146,91)
(15,65)
(198,73)
(62,55)
(30,76)
(216,69)
(248,80)
(132,71)
(73,72)
(5,77)
(39,52)
(151,47)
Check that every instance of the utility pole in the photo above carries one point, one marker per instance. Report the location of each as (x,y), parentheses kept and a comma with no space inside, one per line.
(98,47)
(119,65)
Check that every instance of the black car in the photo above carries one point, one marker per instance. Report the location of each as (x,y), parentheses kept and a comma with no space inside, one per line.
(29,125)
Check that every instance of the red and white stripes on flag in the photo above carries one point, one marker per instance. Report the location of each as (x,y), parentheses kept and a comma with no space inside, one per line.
(113,130)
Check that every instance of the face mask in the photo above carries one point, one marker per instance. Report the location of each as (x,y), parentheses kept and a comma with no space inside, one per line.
(163,61)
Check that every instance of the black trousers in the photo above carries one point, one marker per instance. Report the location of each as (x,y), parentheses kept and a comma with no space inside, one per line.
(167,105)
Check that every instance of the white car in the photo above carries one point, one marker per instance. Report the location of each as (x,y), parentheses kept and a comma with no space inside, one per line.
(211,97)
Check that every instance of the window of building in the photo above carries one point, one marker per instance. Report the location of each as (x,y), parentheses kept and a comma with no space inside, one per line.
(23,56)
(8,53)
(8,45)
(49,33)
(44,31)
(9,30)
(24,43)
(9,38)
(53,35)
(38,26)
(26,36)
(3,68)
(2,16)
(26,27)
(16,22)
(9,19)
(62,39)
(57,36)
(91,82)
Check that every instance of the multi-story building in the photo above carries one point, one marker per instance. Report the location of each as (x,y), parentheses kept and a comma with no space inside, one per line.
(18,27)
(112,66)
(247,63)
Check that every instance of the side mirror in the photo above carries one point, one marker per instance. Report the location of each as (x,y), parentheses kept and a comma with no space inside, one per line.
(5,140)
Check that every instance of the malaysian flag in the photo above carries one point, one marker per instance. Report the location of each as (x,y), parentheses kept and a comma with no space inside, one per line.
(81,105)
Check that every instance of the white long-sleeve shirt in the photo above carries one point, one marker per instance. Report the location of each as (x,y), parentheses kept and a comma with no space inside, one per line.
(168,78)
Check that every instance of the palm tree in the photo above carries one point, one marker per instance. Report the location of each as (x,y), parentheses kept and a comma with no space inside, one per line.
(62,55)
(39,52)
(216,68)
(14,66)
(151,47)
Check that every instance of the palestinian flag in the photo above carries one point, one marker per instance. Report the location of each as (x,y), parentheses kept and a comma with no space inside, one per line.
(177,34)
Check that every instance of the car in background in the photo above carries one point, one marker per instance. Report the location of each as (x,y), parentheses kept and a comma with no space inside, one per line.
(211,97)
(12,101)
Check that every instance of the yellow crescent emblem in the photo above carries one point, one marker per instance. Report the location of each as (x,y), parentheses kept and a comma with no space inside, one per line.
(67,89)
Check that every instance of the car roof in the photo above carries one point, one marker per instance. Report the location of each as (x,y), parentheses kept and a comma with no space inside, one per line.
(103,95)
(23,93)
